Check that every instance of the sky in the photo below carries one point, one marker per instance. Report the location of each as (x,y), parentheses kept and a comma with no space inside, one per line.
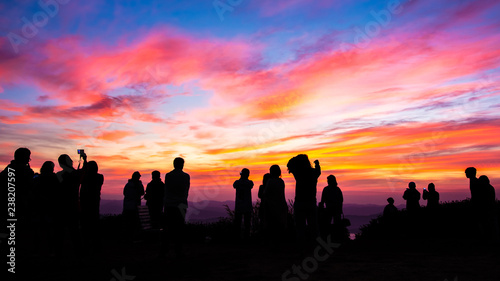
(380,92)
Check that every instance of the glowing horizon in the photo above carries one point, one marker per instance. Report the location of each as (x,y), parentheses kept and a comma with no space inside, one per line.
(382,93)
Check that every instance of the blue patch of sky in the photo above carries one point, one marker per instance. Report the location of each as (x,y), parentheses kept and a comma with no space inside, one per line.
(195,97)
(26,95)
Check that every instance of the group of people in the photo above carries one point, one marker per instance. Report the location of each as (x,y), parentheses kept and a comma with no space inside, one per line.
(412,197)
(68,202)
(483,202)
(310,217)
(167,204)
(273,210)
(50,205)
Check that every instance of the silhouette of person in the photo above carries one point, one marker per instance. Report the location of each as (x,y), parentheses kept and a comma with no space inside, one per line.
(412,197)
(262,207)
(305,209)
(132,193)
(70,179)
(22,179)
(332,199)
(17,184)
(486,208)
(389,216)
(155,192)
(275,205)
(432,196)
(90,200)
(177,184)
(390,210)
(265,178)
(46,192)
(486,193)
(470,173)
(243,202)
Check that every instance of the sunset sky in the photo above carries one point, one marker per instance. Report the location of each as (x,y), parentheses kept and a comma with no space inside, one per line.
(380,92)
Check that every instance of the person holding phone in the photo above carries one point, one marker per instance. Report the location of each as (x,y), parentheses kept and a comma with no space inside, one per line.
(69,215)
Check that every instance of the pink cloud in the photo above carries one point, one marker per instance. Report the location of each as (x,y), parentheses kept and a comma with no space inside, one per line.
(115,135)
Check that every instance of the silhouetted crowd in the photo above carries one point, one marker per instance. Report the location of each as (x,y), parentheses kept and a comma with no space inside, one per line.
(53,206)
(50,207)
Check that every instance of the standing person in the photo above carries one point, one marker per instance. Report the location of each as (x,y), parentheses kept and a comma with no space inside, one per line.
(487,213)
(90,200)
(390,210)
(46,192)
(243,202)
(412,197)
(17,182)
(262,208)
(305,209)
(177,184)
(275,205)
(70,179)
(155,192)
(23,176)
(470,173)
(333,199)
(432,196)
(132,192)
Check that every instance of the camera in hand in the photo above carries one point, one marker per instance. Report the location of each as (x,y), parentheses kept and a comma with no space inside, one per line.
(80,151)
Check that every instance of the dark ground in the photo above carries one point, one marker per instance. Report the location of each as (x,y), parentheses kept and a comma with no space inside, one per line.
(459,260)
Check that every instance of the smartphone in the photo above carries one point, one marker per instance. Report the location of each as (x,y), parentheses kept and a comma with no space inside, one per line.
(80,151)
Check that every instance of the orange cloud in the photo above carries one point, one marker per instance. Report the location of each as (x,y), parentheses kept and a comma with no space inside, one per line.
(115,135)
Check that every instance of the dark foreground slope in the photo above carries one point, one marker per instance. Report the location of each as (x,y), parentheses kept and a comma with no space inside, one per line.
(451,249)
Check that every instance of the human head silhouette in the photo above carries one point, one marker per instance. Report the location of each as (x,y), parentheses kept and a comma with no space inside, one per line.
(22,155)
(484,180)
(265,178)
(92,167)
(65,161)
(332,180)
(299,164)
(155,175)
(431,187)
(470,172)
(136,176)
(245,173)
(275,171)
(390,200)
(47,168)
(179,163)
(412,185)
